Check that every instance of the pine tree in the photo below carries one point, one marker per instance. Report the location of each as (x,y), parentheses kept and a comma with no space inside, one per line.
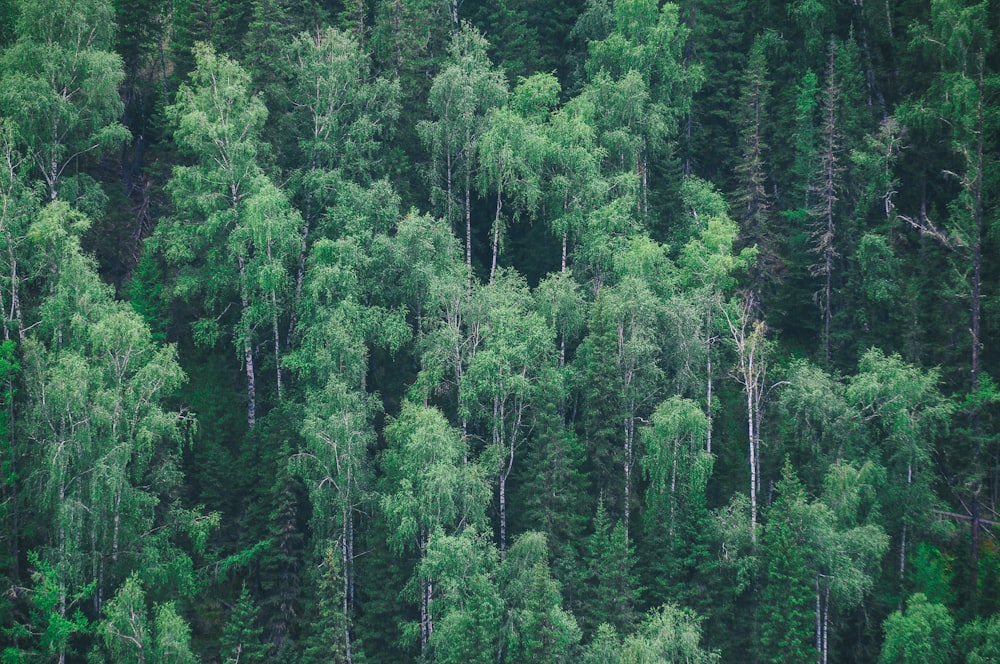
(242,640)
(328,625)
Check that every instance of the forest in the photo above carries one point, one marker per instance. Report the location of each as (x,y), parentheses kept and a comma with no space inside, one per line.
(499,331)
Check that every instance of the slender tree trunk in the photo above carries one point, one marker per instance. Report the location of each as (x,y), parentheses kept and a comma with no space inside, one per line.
(902,546)
(708,383)
(826,624)
(345,556)
(819,629)
(496,235)
(468,230)
(753,466)
(301,272)
(562,265)
(248,353)
(977,259)
(629,426)
(277,342)
(673,491)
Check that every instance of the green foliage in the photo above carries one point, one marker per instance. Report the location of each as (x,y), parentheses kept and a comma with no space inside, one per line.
(609,593)
(980,640)
(427,439)
(923,633)
(242,639)
(326,617)
(667,634)
(59,84)
(537,628)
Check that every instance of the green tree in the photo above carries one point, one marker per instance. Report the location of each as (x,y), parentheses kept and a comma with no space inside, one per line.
(511,154)
(498,388)
(464,92)
(668,634)
(709,265)
(235,229)
(338,435)
(958,39)
(129,635)
(573,185)
(536,627)
(341,117)
(641,86)
(126,631)
(980,640)
(610,594)
(462,570)
(329,640)
(55,617)
(242,638)
(902,406)
(787,626)
(677,471)
(103,447)
(753,199)
(924,632)
(59,84)
(431,490)
(749,338)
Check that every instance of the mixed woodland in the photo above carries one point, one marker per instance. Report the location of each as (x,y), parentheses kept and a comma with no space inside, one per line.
(509,331)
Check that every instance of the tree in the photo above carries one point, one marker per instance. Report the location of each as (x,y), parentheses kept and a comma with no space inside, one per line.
(668,634)
(641,86)
(342,116)
(980,640)
(754,204)
(59,84)
(708,266)
(102,453)
(573,186)
(958,39)
(431,490)
(338,436)
(786,630)
(242,637)
(536,627)
(461,98)
(677,471)
(827,189)
(511,154)
(748,336)
(468,608)
(922,633)
(329,626)
(611,594)
(54,616)
(231,215)
(129,634)
(498,388)
(620,362)
(902,406)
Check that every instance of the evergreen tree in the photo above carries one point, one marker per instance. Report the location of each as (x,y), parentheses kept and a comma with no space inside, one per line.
(242,640)
(328,641)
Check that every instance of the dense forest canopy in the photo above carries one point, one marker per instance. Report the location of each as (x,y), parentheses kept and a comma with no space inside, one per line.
(600,331)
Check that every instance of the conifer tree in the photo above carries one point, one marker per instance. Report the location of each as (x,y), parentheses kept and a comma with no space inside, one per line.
(242,640)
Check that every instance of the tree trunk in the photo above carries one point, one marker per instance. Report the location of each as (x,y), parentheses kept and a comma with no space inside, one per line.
(708,386)
(977,259)
(277,342)
(496,236)
(345,557)
(468,228)
(753,467)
